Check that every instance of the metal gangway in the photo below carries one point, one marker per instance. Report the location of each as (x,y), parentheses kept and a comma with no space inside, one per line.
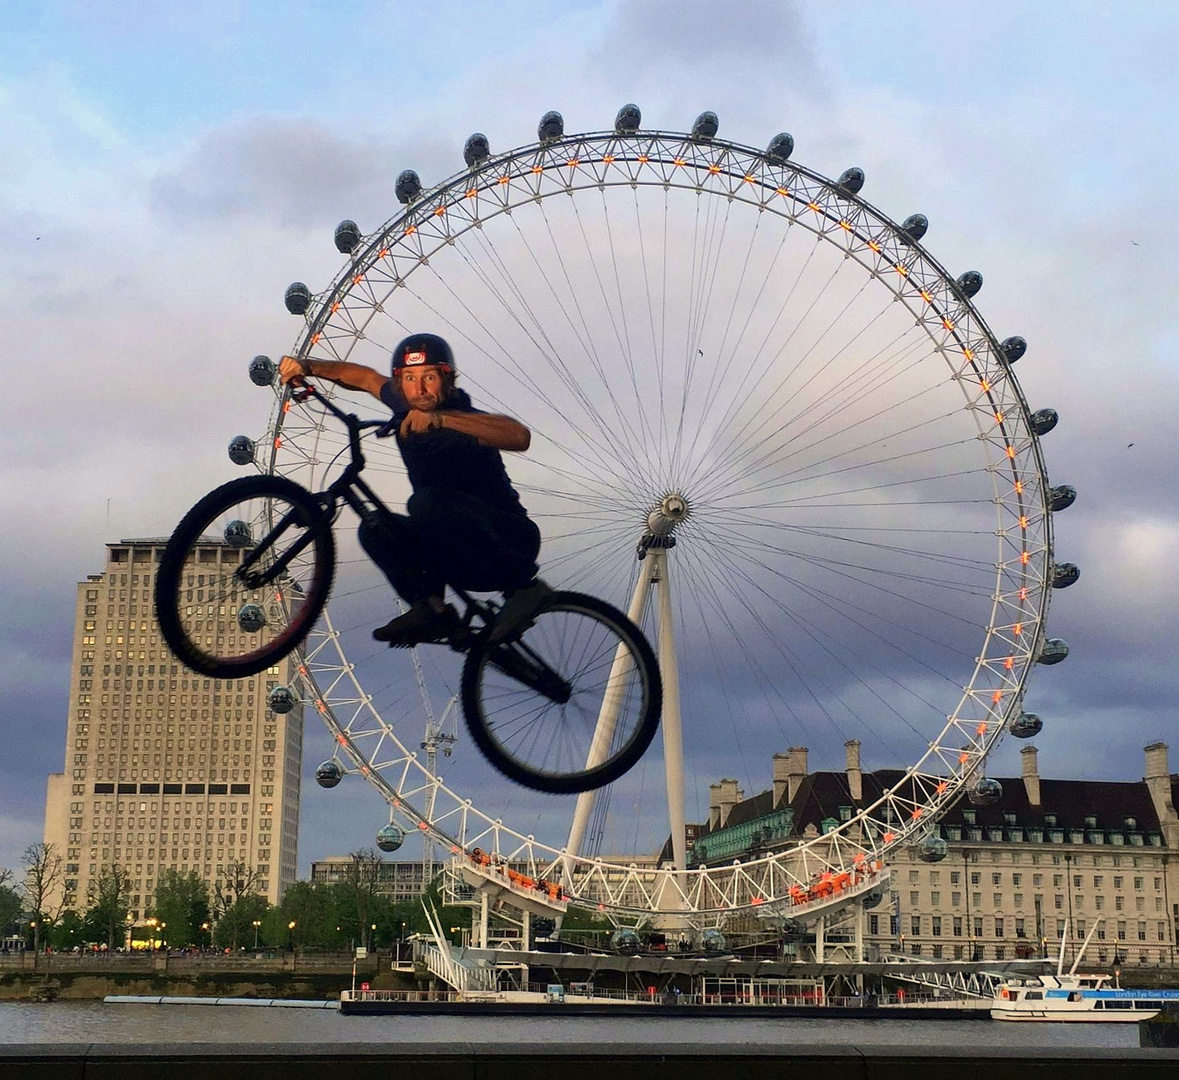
(962,982)
(439,959)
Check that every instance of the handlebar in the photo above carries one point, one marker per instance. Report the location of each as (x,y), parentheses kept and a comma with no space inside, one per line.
(385,428)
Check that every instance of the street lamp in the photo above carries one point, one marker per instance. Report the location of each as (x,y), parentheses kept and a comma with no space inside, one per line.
(257,924)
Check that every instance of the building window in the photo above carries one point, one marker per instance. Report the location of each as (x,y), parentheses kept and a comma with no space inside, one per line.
(957,926)
(998,927)
(936,927)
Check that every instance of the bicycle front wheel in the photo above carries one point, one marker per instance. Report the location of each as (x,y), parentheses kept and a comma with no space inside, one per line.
(244,576)
(569,706)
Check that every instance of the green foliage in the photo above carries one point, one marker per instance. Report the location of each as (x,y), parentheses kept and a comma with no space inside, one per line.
(68,931)
(235,927)
(108,904)
(310,908)
(182,904)
(10,903)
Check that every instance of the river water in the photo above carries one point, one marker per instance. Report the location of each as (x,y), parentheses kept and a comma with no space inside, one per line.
(96,1022)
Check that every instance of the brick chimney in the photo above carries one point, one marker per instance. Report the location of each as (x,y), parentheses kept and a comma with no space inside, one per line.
(1158,783)
(789,773)
(855,777)
(1029,758)
(722,798)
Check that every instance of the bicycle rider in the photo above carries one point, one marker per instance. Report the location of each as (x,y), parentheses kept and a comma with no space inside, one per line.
(464,525)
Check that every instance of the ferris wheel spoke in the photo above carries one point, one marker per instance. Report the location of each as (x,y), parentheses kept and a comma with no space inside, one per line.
(840,569)
(832,648)
(774,442)
(891,632)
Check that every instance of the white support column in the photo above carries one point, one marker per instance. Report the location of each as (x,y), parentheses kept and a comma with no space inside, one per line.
(821,939)
(673,735)
(608,714)
(484,912)
(526,945)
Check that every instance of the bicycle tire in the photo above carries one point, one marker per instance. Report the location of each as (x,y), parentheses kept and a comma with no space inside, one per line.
(500,728)
(175,564)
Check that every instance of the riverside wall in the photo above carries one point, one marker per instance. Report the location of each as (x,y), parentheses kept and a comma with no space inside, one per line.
(85,979)
(500,1061)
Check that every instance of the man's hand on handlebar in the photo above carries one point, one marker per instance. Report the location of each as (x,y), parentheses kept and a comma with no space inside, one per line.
(293,370)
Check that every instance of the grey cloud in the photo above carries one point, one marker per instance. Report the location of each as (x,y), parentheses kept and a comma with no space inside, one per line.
(737,36)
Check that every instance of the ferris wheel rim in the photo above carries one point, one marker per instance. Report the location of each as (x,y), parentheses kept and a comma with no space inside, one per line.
(924,781)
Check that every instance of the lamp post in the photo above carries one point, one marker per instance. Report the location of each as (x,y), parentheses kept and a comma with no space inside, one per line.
(257,926)
(294,954)
(372,940)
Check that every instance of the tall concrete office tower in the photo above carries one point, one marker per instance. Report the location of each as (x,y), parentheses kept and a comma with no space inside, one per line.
(163,768)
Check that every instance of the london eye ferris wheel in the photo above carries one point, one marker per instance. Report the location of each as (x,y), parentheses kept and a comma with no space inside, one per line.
(767,421)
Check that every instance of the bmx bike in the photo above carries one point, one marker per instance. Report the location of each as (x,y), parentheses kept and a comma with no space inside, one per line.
(569,705)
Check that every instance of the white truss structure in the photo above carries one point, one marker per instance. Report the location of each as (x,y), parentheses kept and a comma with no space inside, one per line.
(386,262)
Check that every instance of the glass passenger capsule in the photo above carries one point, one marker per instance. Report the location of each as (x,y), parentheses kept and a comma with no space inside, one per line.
(705,125)
(712,940)
(280,700)
(476,149)
(1054,650)
(1044,420)
(297,298)
(347,237)
(1026,725)
(932,849)
(251,618)
(1065,574)
(780,148)
(328,774)
(985,791)
(262,371)
(408,186)
(551,126)
(628,119)
(390,837)
(851,180)
(237,534)
(241,450)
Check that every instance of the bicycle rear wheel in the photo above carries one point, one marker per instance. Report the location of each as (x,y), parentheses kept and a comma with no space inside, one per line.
(569,706)
(244,576)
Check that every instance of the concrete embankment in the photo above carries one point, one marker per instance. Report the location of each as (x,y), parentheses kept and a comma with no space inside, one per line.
(498,1061)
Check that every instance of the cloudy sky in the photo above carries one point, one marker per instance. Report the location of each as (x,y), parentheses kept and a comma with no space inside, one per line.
(167,172)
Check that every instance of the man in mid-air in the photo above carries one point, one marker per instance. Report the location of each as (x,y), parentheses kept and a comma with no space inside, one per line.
(464,524)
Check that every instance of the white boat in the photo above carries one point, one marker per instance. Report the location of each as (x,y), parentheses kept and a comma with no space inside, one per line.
(1072,997)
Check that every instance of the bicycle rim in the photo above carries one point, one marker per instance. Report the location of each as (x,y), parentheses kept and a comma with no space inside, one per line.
(528,729)
(216,622)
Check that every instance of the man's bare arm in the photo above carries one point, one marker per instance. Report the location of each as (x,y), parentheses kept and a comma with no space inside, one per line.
(500,432)
(352,376)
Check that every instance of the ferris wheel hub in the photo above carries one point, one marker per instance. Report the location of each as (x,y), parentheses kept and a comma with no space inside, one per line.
(672,509)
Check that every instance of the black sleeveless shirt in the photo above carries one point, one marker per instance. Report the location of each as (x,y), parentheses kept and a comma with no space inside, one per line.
(444,458)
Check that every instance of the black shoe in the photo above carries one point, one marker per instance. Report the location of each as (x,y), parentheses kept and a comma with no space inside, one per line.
(420,625)
(520,608)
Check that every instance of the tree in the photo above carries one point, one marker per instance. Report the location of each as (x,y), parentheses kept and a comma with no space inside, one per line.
(68,931)
(10,902)
(235,923)
(44,890)
(182,906)
(108,899)
(309,908)
(236,903)
(361,883)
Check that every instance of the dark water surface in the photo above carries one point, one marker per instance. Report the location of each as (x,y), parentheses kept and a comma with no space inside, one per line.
(95,1022)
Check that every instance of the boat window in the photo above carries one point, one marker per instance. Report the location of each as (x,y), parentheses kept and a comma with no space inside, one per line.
(1035,995)
(1099,1004)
